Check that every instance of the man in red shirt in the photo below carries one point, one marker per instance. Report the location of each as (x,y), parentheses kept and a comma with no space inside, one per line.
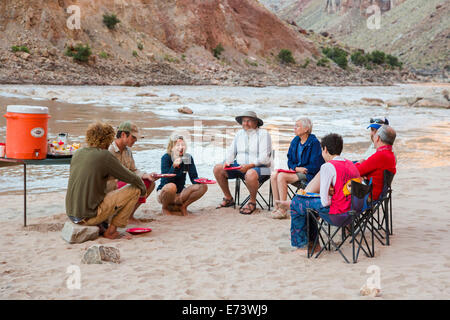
(383,159)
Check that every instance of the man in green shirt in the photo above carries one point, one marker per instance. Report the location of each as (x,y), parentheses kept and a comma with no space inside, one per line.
(87,202)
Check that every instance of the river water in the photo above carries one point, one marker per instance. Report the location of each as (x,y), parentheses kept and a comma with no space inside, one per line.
(211,127)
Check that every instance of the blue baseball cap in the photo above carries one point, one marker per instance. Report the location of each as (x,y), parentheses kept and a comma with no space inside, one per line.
(376,123)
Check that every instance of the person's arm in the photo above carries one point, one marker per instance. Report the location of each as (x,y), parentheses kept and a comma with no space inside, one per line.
(316,160)
(265,149)
(118,171)
(327,173)
(166,165)
(368,165)
(290,155)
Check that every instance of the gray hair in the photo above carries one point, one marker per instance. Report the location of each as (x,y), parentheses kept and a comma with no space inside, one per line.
(387,134)
(306,122)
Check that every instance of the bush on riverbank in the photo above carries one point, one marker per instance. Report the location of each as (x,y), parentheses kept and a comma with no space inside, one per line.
(110,21)
(338,55)
(285,56)
(20,49)
(80,53)
(217,51)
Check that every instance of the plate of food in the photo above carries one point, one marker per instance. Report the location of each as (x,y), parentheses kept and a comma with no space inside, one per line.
(303,193)
(233,168)
(205,181)
(138,230)
(286,171)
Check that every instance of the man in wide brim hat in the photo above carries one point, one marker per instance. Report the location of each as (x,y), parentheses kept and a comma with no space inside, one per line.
(251,155)
(249,114)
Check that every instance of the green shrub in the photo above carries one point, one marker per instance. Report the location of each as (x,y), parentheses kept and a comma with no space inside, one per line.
(103,55)
(110,20)
(183,57)
(393,61)
(338,55)
(170,59)
(306,63)
(135,54)
(79,53)
(285,56)
(377,57)
(358,58)
(20,49)
(323,62)
(140,46)
(217,51)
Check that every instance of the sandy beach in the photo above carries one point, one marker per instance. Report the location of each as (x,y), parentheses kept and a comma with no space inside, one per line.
(221,254)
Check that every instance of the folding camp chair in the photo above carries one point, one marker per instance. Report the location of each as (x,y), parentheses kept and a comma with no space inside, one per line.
(383,223)
(237,193)
(358,218)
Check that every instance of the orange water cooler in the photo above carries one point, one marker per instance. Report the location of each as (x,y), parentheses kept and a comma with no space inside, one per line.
(26,132)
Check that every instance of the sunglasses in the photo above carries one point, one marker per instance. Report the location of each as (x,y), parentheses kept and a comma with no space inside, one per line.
(175,138)
(377,121)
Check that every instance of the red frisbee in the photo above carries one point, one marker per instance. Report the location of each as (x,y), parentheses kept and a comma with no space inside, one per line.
(233,168)
(205,181)
(138,230)
(286,171)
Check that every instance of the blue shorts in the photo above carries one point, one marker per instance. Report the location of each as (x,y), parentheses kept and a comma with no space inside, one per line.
(263,172)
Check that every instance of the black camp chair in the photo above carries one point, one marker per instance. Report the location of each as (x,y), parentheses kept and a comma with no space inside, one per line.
(354,221)
(382,224)
(237,193)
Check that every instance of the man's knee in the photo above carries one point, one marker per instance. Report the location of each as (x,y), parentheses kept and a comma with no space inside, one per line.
(218,170)
(251,175)
(202,188)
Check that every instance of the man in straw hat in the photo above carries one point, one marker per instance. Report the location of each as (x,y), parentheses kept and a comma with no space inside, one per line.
(251,150)
(126,136)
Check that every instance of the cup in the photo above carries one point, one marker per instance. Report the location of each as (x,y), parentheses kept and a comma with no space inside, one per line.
(63,138)
(2,150)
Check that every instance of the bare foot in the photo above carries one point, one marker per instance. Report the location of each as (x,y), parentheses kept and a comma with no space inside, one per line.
(185,211)
(171,213)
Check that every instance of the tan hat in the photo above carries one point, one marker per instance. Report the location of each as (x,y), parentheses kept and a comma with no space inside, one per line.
(129,127)
(250,114)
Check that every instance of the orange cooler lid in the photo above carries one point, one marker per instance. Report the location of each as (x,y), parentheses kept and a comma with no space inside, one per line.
(27,109)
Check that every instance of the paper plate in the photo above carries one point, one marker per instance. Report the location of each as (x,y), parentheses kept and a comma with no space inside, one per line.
(310,195)
(138,230)
(166,175)
(233,168)
(287,171)
(205,181)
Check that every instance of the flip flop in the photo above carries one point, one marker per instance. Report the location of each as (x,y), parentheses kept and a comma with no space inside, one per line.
(244,209)
(228,203)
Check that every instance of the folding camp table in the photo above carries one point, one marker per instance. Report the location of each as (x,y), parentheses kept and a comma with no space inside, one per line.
(6,162)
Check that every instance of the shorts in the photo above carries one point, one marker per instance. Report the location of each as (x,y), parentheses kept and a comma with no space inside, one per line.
(302,181)
(263,172)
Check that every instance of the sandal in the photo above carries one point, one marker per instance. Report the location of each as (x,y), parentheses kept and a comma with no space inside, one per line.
(247,210)
(228,203)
